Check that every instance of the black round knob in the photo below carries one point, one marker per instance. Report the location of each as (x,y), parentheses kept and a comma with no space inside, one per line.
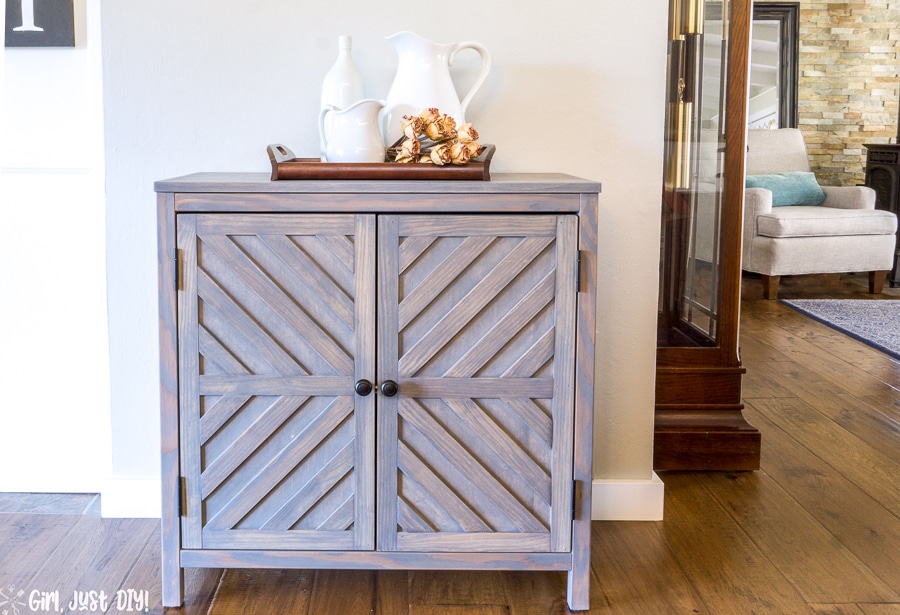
(389,388)
(363,387)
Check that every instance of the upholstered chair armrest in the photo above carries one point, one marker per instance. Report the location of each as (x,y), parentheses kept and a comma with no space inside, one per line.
(757,201)
(849,197)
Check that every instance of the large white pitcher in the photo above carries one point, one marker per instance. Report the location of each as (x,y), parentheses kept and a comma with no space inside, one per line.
(353,133)
(423,81)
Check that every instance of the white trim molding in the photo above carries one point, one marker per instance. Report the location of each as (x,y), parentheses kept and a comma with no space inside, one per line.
(627,500)
(131,498)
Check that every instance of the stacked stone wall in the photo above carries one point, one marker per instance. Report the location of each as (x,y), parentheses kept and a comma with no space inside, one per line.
(848,83)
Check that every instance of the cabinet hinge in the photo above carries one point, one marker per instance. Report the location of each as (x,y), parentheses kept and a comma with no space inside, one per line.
(575,499)
(181,500)
(581,270)
(176,273)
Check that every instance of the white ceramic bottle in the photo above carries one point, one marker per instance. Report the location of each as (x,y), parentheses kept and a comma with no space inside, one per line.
(343,85)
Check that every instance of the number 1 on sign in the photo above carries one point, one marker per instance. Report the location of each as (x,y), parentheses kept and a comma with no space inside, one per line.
(28,18)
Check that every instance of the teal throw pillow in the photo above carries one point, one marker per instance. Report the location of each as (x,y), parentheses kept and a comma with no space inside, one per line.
(793,188)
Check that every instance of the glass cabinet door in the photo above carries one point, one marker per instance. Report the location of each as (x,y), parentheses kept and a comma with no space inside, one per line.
(694,174)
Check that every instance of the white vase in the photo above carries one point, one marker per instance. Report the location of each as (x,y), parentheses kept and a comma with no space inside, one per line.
(343,85)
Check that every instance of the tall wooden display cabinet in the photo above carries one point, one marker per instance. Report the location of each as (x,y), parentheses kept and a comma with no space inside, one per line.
(699,422)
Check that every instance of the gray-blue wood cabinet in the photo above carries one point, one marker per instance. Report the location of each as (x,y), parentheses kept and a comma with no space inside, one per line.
(377,374)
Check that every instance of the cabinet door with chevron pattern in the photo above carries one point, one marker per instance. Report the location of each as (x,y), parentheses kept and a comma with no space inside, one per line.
(476,318)
(276,324)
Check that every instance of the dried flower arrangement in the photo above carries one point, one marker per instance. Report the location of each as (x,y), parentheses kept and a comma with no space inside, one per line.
(433,138)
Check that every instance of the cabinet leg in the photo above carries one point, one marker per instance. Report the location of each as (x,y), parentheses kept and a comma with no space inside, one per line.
(172,579)
(579,588)
(579,584)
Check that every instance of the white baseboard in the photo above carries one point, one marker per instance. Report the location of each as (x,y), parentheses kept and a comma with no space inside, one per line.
(627,500)
(131,497)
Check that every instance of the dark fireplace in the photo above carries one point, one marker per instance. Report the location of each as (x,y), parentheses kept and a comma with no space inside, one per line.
(883,175)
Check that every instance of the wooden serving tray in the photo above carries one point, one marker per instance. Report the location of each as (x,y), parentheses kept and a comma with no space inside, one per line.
(286,166)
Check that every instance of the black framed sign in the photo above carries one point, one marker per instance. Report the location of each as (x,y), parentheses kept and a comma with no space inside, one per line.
(40,23)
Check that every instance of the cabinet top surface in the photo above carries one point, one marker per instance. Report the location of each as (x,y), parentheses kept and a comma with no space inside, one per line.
(500,183)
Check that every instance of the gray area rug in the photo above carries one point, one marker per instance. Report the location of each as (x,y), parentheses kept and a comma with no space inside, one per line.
(875,322)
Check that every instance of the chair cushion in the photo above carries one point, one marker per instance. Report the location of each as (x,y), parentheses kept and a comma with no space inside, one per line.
(791,188)
(812,221)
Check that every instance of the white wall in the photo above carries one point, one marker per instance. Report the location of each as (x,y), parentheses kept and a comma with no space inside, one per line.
(53,332)
(576,87)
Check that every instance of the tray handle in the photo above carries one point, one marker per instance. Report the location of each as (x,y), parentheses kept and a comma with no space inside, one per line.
(278,153)
(486,154)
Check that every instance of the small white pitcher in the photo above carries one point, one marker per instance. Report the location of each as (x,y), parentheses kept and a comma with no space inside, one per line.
(353,133)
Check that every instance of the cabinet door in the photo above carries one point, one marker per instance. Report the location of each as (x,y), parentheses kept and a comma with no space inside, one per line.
(276,323)
(476,318)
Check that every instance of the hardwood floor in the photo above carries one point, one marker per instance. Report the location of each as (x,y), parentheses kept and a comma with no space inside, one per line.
(815,531)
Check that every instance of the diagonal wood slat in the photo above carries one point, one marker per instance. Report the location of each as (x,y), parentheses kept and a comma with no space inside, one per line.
(330,257)
(487,484)
(281,304)
(307,281)
(320,510)
(305,498)
(409,518)
(241,333)
(215,354)
(411,248)
(219,441)
(440,277)
(489,506)
(534,359)
(344,250)
(498,440)
(504,300)
(481,294)
(531,413)
(423,486)
(286,460)
(535,440)
(341,519)
(219,469)
(220,413)
(514,320)
(319,494)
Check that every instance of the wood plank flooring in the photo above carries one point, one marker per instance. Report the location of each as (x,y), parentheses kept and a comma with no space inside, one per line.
(815,531)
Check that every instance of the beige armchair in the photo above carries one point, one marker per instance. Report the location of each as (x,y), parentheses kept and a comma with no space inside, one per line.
(845,233)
